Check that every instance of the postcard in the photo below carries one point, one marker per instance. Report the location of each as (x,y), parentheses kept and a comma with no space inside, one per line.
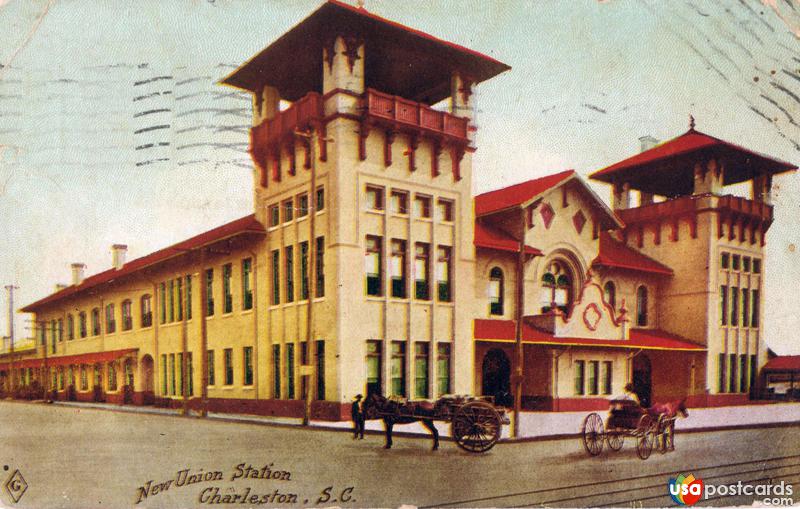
(364,253)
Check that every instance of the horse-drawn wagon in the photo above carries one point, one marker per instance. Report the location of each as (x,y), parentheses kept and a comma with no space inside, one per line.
(650,428)
(475,422)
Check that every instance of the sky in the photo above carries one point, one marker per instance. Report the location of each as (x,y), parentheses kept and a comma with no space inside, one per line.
(113,129)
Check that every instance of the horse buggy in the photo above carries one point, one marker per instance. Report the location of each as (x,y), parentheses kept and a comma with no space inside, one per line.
(475,422)
(650,428)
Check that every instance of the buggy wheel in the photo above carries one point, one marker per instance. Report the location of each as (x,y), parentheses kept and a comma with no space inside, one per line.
(645,436)
(593,434)
(476,426)
(615,438)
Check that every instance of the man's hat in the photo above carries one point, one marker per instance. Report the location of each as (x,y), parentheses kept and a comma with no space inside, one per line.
(358,397)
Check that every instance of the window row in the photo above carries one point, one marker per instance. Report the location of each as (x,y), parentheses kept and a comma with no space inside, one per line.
(284,263)
(399,268)
(246,273)
(398,385)
(733,307)
(593,377)
(294,207)
(736,262)
(399,203)
(172,374)
(175,295)
(733,372)
(286,378)
(64,378)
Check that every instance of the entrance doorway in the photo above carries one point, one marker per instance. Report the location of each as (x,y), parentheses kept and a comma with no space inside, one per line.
(642,379)
(497,377)
(148,396)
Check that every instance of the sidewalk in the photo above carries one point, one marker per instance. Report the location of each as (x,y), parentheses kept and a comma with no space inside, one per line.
(533,425)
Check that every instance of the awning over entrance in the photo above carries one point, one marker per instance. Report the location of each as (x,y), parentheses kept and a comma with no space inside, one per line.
(503,331)
(64,360)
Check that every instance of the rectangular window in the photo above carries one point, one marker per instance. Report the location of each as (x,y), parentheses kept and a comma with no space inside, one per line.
(723,303)
(374,198)
(594,368)
(397,268)
(580,368)
(755,315)
(189,297)
(753,372)
(289,277)
(96,322)
(111,323)
(421,352)
(443,368)
(274,215)
(398,367)
(171,296)
(247,283)
(444,210)
(746,264)
(172,378)
(248,365)
(228,358)
(732,367)
(276,371)
(209,292)
(443,273)
(60,329)
(181,375)
(373,263)
(422,206)
(163,374)
(60,379)
(320,199)
(70,328)
(756,266)
(421,276)
(276,277)
(745,308)
(398,202)
(290,370)
(735,262)
(84,378)
(227,291)
(82,324)
(127,315)
(320,369)
(374,366)
(303,270)
(146,311)
(319,267)
(302,205)
(210,365)
(53,335)
(288,211)
(163,302)
(725,260)
(742,373)
(179,298)
(112,377)
(608,376)
(734,306)
(721,369)
(190,373)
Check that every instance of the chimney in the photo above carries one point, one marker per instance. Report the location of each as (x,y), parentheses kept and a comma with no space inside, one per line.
(60,286)
(118,255)
(78,273)
(648,142)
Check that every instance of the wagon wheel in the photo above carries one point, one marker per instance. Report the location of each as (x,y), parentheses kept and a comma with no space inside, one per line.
(615,438)
(476,426)
(645,436)
(593,435)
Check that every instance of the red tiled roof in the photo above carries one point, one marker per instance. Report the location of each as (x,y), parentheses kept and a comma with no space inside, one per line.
(647,339)
(783,363)
(247,224)
(656,169)
(492,238)
(618,255)
(511,196)
(64,360)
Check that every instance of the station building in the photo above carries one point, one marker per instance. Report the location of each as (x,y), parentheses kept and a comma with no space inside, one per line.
(368,265)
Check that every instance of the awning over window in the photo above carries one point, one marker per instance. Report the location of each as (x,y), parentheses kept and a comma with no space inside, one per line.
(65,360)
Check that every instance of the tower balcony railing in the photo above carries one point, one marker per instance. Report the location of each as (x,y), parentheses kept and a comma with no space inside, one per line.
(299,115)
(404,112)
(692,204)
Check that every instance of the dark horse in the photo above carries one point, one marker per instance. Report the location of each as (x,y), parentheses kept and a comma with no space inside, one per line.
(395,412)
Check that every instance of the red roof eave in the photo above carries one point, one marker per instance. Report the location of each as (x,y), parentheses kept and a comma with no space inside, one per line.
(783,363)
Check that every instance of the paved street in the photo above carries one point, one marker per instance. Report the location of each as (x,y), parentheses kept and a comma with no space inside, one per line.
(83,457)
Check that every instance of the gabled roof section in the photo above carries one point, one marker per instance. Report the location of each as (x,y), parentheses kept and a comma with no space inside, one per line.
(526,192)
(245,225)
(618,255)
(668,168)
(492,238)
(399,60)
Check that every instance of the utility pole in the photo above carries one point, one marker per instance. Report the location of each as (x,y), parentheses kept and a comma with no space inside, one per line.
(10,289)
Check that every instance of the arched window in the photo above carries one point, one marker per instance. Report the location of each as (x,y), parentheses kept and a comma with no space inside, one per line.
(146,318)
(557,288)
(610,294)
(641,306)
(95,321)
(70,327)
(496,289)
